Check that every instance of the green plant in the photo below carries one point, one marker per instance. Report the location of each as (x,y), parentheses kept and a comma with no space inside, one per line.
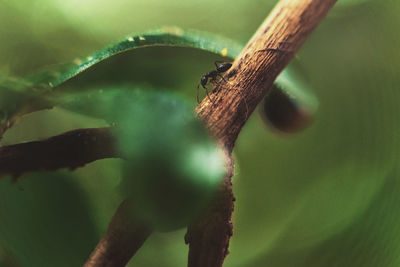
(172,168)
(95,87)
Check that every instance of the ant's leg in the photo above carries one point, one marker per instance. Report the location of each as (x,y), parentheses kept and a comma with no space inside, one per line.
(222,77)
(208,95)
(213,80)
(197,97)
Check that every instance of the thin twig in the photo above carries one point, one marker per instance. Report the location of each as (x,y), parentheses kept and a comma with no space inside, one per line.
(69,150)
(124,236)
(252,74)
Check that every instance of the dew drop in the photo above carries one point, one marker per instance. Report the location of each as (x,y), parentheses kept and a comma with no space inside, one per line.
(224,52)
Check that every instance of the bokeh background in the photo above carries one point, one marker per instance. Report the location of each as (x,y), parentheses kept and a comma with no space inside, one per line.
(327,196)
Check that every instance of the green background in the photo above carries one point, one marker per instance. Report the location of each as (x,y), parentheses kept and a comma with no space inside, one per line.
(325,197)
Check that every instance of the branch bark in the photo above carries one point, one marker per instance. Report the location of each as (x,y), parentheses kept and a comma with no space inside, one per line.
(124,236)
(69,150)
(233,100)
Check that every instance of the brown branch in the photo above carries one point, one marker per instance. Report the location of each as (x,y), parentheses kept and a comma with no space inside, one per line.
(69,150)
(253,72)
(209,235)
(125,235)
(123,238)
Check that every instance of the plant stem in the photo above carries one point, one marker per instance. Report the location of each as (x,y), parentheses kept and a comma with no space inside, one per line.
(123,238)
(69,150)
(233,100)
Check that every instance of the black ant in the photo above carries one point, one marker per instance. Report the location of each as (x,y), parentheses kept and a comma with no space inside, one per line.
(211,76)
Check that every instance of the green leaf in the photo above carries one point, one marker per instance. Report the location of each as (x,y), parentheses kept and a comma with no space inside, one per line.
(167,36)
(21,96)
(46,221)
(108,103)
(17,97)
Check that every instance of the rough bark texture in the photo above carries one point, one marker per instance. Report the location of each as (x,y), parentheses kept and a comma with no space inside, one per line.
(253,72)
(69,150)
(233,100)
(209,233)
(123,238)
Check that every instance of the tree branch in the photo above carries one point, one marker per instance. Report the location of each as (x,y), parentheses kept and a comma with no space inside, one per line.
(233,100)
(123,238)
(208,236)
(69,150)
(125,235)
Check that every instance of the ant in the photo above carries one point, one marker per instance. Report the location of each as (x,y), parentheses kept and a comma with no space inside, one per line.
(211,76)
(222,67)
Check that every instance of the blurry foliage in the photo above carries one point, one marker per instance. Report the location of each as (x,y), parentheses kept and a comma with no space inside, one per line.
(325,197)
(42,217)
(172,165)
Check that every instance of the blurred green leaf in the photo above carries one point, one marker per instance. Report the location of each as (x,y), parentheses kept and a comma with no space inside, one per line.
(45,221)
(172,166)
(17,96)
